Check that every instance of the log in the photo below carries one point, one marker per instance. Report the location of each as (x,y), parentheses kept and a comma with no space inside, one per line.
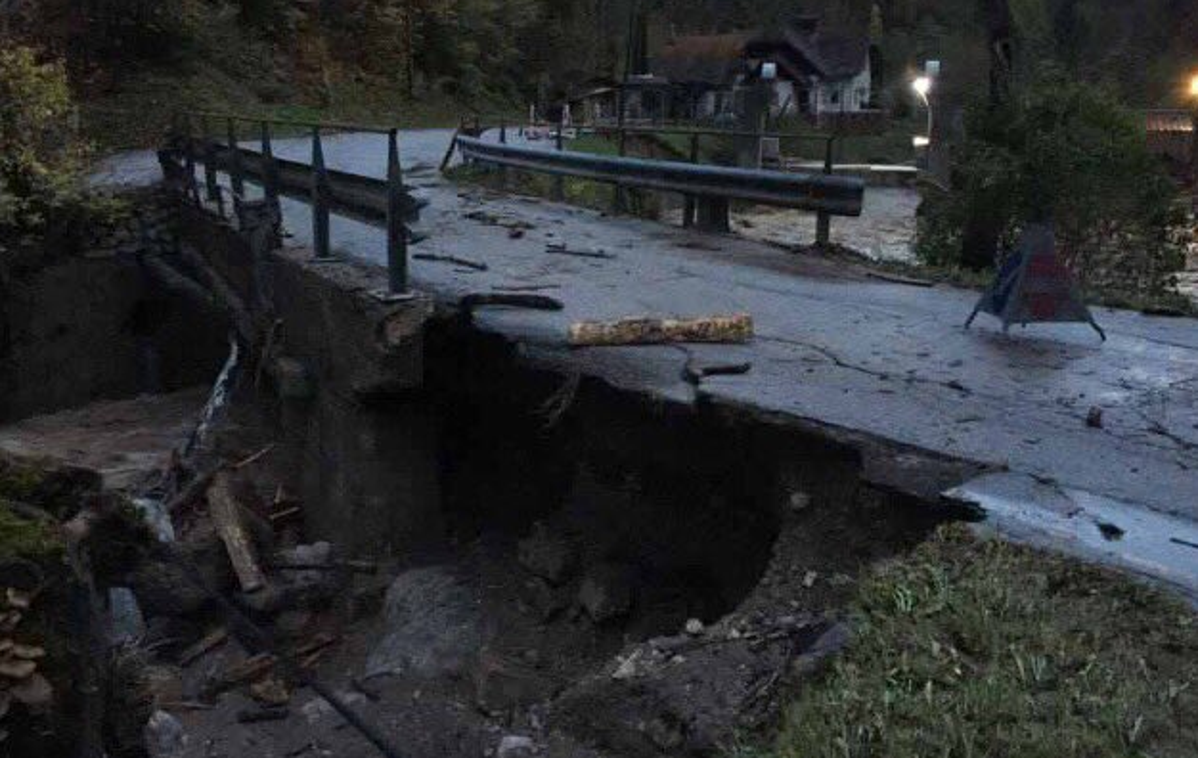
(210,641)
(227,515)
(654,331)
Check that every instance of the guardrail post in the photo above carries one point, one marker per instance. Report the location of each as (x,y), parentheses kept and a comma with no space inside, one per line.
(397,232)
(209,152)
(270,185)
(189,160)
(236,179)
(320,198)
(503,172)
(617,201)
(823,221)
(688,208)
(559,182)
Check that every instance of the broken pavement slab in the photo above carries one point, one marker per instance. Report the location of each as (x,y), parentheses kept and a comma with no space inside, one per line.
(1160,547)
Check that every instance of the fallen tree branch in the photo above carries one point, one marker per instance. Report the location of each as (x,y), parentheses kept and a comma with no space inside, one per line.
(226,514)
(556,248)
(534,302)
(452,259)
(692,374)
(654,331)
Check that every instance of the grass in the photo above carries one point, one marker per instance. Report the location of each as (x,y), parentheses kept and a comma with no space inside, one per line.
(971,648)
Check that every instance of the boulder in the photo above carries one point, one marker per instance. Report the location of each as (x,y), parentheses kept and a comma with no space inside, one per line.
(502,683)
(548,554)
(515,746)
(164,736)
(432,625)
(606,592)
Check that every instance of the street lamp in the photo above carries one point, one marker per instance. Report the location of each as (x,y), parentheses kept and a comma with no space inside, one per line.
(1194,140)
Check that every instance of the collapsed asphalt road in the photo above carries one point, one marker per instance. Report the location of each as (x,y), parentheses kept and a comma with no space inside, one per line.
(885,366)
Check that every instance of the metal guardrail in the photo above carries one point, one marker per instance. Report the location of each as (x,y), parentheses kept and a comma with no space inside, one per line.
(830,195)
(326,190)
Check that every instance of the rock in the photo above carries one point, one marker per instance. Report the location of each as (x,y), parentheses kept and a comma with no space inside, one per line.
(515,746)
(432,625)
(165,588)
(162,684)
(365,596)
(291,624)
(799,501)
(126,624)
(820,652)
(293,380)
(694,627)
(502,683)
(318,709)
(164,736)
(606,592)
(545,600)
(548,555)
(1094,418)
(296,588)
(34,692)
(675,705)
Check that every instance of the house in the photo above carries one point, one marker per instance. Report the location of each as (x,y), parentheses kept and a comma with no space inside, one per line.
(817,71)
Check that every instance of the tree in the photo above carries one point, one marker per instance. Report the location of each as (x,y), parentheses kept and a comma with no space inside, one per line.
(1061,150)
(40,157)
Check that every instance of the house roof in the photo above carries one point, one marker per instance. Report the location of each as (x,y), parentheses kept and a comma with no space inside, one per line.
(702,59)
(801,49)
(809,48)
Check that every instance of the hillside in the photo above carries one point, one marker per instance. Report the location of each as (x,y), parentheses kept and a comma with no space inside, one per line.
(424,61)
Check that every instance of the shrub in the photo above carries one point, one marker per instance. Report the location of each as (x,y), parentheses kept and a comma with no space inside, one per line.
(41,157)
(1070,152)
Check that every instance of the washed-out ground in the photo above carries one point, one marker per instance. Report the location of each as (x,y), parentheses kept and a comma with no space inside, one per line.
(520,650)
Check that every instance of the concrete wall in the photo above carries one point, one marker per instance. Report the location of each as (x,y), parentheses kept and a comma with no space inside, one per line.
(345,368)
(93,326)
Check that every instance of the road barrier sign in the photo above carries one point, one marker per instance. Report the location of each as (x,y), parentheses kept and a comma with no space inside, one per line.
(1033,286)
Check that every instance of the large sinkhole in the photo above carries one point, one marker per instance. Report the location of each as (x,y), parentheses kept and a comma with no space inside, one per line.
(582,504)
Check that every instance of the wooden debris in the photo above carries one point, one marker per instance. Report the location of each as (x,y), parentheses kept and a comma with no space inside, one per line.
(285,514)
(696,374)
(209,642)
(559,248)
(271,691)
(899,279)
(255,457)
(533,302)
(527,287)
(192,492)
(227,515)
(452,259)
(318,642)
(653,331)
(250,669)
(255,715)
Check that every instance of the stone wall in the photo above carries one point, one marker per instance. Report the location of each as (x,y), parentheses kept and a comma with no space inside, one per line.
(92,326)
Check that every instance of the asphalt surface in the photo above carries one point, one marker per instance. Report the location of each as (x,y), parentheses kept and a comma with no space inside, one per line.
(842,352)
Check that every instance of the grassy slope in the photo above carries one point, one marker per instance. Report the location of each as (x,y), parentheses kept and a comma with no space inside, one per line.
(223,69)
(968,648)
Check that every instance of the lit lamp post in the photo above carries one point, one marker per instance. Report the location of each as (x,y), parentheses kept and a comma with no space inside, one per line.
(923,85)
(1194,140)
